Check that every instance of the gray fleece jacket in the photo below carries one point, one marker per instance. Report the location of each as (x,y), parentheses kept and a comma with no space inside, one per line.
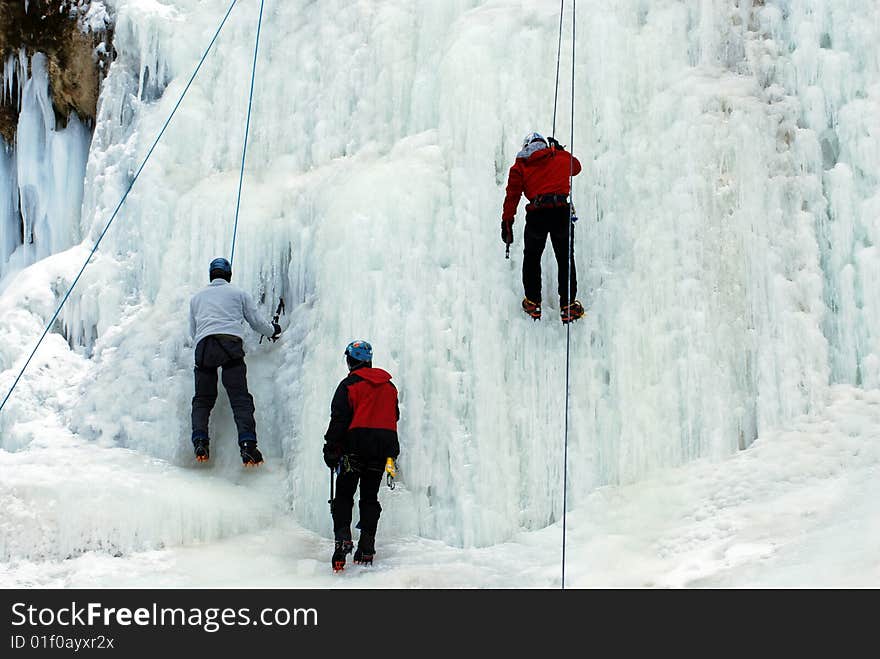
(220,308)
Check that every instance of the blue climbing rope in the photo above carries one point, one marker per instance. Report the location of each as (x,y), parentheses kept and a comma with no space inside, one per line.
(558,60)
(247,130)
(119,206)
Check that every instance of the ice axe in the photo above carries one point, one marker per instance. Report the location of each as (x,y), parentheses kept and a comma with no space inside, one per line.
(507,234)
(330,500)
(278,311)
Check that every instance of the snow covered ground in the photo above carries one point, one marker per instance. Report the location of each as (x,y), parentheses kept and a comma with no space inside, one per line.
(798,509)
(724,391)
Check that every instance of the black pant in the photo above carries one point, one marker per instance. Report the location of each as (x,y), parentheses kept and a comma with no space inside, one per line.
(539,223)
(346,484)
(226,352)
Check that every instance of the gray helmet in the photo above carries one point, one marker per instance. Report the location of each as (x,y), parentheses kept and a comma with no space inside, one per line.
(534,137)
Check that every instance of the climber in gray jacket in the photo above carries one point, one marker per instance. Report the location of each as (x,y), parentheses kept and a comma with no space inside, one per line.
(216,314)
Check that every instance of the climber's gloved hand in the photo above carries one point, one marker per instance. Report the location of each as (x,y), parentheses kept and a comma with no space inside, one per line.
(507,231)
(331,456)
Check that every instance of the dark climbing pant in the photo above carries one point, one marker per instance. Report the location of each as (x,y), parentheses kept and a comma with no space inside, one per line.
(343,502)
(540,223)
(226,352)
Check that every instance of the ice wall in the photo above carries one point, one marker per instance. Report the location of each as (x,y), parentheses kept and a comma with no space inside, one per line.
(835,71)
(42,174)
(724,244)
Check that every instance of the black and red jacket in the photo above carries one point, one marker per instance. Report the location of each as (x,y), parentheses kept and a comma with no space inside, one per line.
(363,417)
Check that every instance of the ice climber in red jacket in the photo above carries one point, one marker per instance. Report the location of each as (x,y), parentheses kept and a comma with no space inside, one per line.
(542,173)
(359,441)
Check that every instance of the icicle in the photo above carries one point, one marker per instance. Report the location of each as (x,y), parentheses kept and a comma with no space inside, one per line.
(8,77)
(45,171)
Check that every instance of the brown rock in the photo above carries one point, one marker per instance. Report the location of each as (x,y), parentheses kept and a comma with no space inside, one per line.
(75,72)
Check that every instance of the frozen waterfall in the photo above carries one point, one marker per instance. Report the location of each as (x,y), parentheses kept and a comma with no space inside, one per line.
(727,246)
(42,174)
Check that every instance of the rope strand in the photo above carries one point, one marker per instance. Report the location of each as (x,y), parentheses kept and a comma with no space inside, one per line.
(571,220)
(558,59)
(247,130)
(119,206)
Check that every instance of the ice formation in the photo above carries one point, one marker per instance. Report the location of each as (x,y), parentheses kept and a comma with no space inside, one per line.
(728,214)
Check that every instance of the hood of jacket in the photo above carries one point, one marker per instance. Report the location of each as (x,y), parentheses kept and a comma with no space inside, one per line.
(372,375)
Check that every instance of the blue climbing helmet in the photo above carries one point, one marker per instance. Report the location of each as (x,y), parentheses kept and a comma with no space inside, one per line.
(360,351)
(533,137)
(222,267)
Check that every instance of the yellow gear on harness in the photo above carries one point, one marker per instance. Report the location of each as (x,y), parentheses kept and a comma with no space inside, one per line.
(390,472)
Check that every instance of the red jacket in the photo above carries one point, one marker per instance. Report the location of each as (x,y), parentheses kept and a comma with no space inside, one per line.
(373,400)
(545,171)
(363,418)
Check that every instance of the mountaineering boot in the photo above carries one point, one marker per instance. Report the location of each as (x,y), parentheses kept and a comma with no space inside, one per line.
(340,549)
(532,308)
(201,449)
(250,454)
(570,312)
(366,549)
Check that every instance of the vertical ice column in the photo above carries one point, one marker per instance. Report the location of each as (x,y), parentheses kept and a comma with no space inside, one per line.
(41,189)
(9,216)
(835,72)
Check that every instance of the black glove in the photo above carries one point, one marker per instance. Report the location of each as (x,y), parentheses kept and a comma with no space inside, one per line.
(331,455)
(277,333)
(507,231)
(552,142)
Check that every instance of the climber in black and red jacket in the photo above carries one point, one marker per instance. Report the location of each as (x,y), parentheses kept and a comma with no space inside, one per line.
(360,439)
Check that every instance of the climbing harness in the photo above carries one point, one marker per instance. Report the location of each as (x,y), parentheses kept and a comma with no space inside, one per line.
(121,202)
(350,464)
